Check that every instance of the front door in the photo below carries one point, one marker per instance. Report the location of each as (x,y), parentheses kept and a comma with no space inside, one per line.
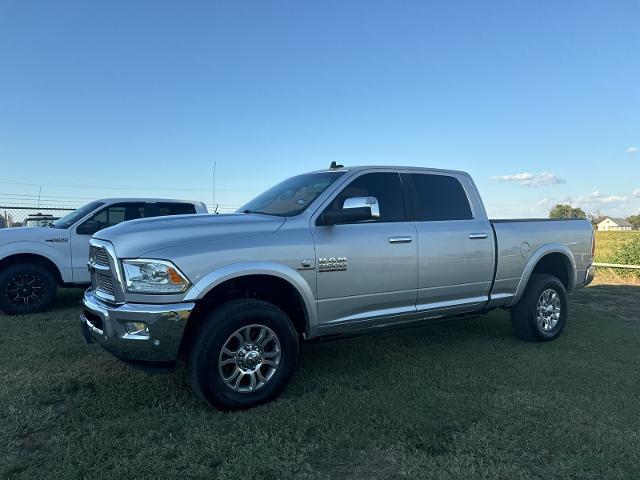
(367,271)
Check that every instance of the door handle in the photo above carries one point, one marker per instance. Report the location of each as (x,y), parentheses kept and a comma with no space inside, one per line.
(400,239)
(477,236)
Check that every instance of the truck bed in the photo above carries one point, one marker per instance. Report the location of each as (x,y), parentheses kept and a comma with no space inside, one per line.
(520,243)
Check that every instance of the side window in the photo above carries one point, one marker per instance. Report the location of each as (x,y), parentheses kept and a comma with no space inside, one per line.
(439,197)
(118,212)
(387,189)
(175,209)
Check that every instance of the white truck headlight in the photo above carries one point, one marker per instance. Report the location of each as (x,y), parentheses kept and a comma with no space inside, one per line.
(153,276)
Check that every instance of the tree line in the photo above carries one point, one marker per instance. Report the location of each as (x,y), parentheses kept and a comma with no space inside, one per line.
(563,210)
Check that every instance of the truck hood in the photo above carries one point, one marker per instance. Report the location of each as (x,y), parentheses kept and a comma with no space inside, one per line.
(136,238)
(33,234)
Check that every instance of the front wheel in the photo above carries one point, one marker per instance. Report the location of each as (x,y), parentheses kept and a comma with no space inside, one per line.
(541,314)
(26,288)
(243,354)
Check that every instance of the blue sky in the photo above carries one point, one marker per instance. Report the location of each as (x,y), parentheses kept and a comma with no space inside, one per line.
(140,98)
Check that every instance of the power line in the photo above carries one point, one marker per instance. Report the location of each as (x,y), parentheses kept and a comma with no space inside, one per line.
(124,187)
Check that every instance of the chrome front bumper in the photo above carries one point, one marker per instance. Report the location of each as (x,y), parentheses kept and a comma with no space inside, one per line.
(106,325)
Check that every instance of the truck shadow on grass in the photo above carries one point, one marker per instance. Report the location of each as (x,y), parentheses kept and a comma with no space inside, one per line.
(621,301)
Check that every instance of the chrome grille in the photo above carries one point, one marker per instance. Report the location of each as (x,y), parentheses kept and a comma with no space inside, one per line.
(104,283)
(104,279)
(101,256)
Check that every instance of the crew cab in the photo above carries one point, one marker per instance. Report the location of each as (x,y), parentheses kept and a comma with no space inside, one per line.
(332,252)
(34,261)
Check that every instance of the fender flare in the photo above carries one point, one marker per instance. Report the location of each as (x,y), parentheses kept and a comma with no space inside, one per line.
(540,253)
(34,248)
(236,270)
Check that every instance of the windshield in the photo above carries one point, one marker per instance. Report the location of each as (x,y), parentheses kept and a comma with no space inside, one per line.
(292,196)
(72,217)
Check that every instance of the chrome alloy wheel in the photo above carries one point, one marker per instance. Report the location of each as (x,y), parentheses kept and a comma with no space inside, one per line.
(249,358)
(548,310)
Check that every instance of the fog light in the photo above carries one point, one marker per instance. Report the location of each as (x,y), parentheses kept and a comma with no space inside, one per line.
(137,328)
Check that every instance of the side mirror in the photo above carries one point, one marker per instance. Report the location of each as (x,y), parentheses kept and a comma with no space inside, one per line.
(88,228)
(354,209)
(359,202)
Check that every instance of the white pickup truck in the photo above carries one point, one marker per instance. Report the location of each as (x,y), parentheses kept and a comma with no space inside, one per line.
(34,261)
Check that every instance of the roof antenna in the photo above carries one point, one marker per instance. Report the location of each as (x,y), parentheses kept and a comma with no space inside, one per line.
(334,165)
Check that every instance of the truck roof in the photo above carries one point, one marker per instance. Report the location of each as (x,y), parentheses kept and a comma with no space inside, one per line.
(145,199)
(393,167)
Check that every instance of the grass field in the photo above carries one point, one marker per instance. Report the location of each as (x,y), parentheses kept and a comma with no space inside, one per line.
(620,248)
(459,400)
(608,243)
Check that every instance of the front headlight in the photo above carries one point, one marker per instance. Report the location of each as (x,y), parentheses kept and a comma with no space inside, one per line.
(153,276)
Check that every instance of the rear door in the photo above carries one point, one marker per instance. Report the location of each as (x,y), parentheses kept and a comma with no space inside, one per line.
(455,244)
(372,265)
(106,217)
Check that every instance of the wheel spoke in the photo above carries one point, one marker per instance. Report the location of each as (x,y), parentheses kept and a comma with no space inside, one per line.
(252,381)
(238,380)
(232,376)
(231,353)
(266,340)
(239,338)
(228,361)
(247,334)
(263,332)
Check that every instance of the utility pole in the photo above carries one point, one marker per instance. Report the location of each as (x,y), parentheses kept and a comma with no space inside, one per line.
(214,187)
(39,192)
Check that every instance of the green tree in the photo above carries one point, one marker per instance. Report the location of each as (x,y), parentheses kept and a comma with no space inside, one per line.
(634,220)
(562,210)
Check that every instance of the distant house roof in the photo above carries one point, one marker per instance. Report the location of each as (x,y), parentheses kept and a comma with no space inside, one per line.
(621,222)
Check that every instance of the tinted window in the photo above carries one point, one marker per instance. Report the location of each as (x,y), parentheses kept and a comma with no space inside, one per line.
(387,189)
(175,209)
(117,213)
(439,197)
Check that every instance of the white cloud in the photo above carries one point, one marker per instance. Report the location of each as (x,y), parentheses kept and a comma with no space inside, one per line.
(632,150)
(543,202)
(597,199)
(531,179)
(636,192)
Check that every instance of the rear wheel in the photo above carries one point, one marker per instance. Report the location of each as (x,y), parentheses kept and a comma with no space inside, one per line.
(541,314)
(243,355)
(26,288)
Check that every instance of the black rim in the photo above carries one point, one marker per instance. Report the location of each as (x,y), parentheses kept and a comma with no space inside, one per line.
(25,290)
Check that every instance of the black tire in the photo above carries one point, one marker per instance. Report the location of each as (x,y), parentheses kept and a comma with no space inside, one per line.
(39,288)
(205,375)
(524,315)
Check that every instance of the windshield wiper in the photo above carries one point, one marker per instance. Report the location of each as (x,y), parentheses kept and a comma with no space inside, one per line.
(260,213)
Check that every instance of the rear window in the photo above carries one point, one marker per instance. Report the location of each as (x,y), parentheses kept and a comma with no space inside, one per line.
(439,197)
(175,209)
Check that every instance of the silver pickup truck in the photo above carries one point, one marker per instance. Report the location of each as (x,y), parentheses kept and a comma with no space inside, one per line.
(333,252)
